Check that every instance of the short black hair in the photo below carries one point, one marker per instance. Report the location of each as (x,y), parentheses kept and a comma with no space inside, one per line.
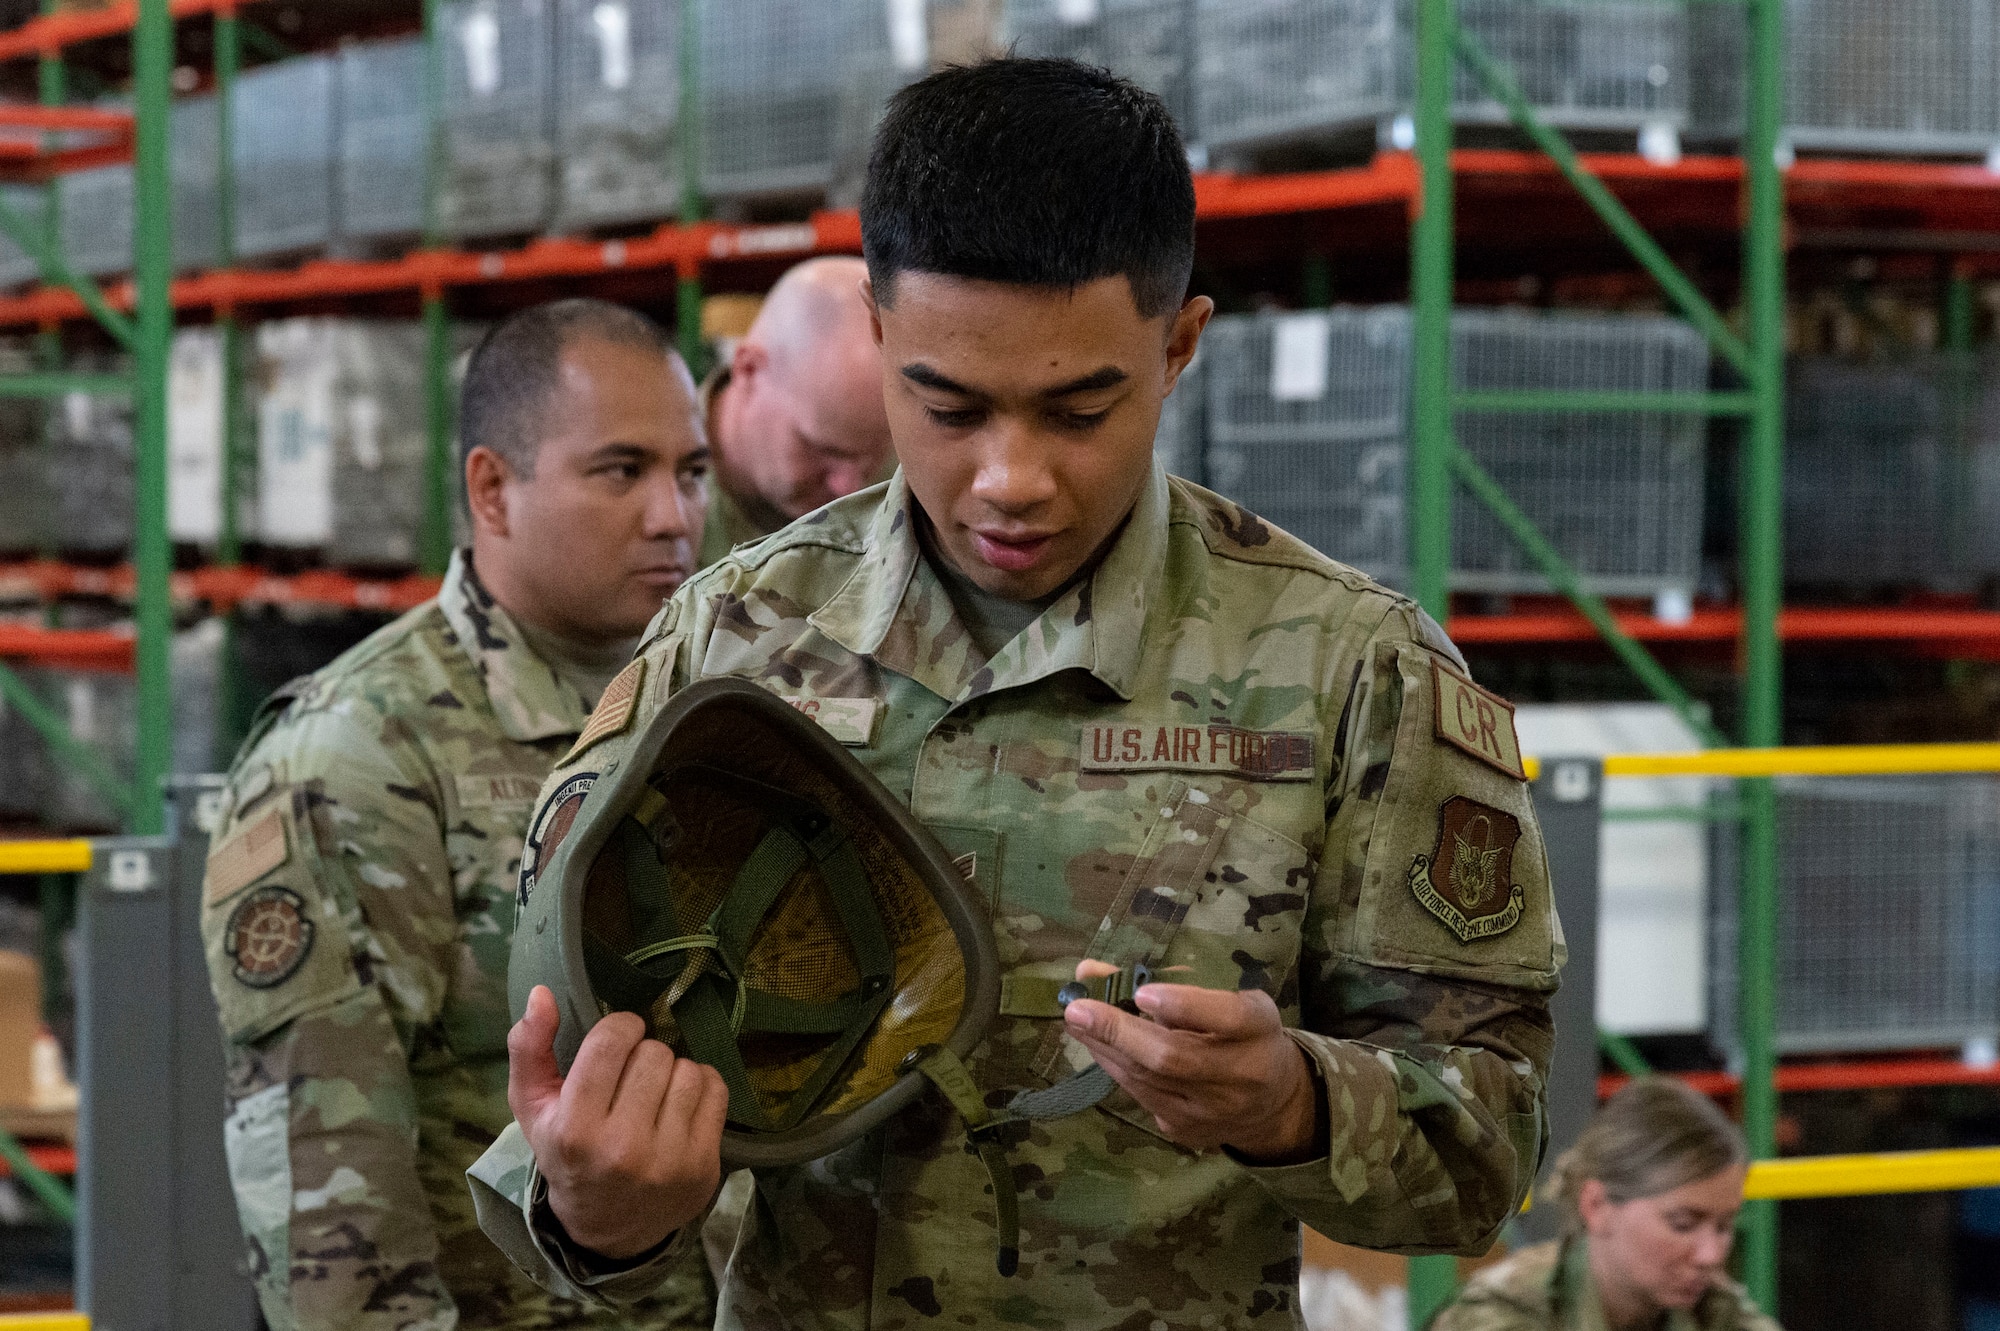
(517,365)
(1043,173)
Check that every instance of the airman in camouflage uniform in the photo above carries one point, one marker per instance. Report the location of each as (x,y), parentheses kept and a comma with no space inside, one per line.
(795,414)
(1151,729)
(358,911)
(1549,1288)
(1222,750)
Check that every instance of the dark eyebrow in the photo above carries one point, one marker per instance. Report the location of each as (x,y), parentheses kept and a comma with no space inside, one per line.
(616,452)
(1108,377)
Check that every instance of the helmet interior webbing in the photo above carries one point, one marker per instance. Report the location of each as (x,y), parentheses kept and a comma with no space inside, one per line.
(700,970)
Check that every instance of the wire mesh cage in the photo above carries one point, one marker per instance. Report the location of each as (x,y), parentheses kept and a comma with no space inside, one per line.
(1917,76)
(382,142)
(1621,64)
(1273,70)
(1150,42)
(23,506)
(101,710)
(1619,494)
(88,466)
(30,204)
(1888,914)
(791,90)
(195,160)
(1892,473)
(499,117)
(282,140)
(96,220)
(342,438)
(1306,426)
(617,110)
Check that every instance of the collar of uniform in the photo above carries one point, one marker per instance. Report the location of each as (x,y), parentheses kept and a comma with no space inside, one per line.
(727,525)
(528,700)
(1576,1300)
(894,609)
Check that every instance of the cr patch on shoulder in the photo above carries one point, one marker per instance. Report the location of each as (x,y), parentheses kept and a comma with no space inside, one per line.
(1471,719)
(614,710)
(268,937)
(246,857)
(552,825)
(1467,880)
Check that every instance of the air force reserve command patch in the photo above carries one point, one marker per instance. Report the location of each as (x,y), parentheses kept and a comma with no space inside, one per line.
(552,824)
(1467,880)
(268,937)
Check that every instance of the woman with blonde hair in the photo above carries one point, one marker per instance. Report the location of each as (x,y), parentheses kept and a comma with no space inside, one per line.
(1649,1196)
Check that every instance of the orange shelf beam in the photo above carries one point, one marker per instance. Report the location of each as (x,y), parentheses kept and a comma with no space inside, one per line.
(223,588)
(1831,187)
(51,33)
(1804,624)
(47,1156)
(1868,1075)
(75,649)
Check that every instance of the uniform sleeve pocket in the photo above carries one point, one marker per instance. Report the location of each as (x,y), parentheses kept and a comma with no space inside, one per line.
(275,941)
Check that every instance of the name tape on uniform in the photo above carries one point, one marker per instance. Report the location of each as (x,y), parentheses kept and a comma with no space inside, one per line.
(1253,755)
(247,856)
(1478,722)
(851,721)
(614,710)
(485,792)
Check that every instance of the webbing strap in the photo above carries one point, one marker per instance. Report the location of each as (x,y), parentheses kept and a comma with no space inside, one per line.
(1071,1095)
(954,1082)
(715,1009)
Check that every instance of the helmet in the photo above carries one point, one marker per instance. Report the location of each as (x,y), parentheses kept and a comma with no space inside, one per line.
(739,880)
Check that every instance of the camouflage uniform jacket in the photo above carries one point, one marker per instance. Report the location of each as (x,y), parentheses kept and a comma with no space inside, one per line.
(1223,750)
(1549,1288)
(357,914)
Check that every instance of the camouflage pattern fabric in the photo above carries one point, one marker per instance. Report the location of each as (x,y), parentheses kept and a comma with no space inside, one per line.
(358,912)
(1222,750)
(1548,1288)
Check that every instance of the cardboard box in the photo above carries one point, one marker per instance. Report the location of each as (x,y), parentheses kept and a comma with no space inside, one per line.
(20,1026)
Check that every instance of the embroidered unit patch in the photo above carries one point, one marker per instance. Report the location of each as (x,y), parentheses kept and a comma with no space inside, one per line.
(551,826)
(246,857)
(614,710)
(268,937)
(1251,755)
(1467,880)
(1478,722)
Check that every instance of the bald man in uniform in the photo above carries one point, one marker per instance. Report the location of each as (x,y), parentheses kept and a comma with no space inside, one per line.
(795,415)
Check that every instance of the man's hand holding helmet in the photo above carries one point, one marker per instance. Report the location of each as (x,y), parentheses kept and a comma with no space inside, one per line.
(630,1142)
(1213,1068)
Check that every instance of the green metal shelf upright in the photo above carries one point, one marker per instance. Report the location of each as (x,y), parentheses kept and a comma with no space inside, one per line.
(1757,356)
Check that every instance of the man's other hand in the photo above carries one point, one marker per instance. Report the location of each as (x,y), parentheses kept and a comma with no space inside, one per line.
(630,1141)
(1212,1068)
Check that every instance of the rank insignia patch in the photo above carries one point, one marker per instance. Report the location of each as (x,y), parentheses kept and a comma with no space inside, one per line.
(268,937)
(1467,881)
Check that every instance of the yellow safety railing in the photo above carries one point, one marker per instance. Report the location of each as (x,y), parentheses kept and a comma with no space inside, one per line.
(68,856)
(1831,760)
(44,1322)
(1860,1175)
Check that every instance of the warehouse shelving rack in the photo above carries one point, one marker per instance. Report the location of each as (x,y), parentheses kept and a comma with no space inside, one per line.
(1551,191)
